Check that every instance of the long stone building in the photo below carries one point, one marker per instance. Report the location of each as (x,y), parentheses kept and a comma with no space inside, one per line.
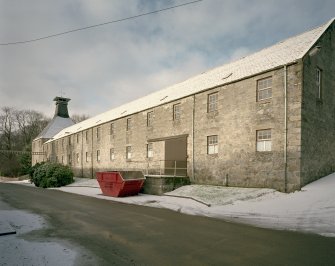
(266,120)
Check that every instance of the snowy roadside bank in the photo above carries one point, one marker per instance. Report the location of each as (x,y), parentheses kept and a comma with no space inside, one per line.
(310,210)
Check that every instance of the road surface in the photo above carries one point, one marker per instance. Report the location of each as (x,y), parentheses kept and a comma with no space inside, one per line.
(122,234)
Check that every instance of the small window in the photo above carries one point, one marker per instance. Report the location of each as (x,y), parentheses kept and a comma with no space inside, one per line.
(212,144)
(98,133)
(70,141)
(98,155)
(77,138)
(112,154)
(212,102)
(176,112)
(264,89)
(150,118)
(77,157)
(62,159)
(86,156)
(70,159)
(62,143)
(150,151)
(264,142)
(129,124)
(86,136)
(128,152)
(318,83)
(112,129)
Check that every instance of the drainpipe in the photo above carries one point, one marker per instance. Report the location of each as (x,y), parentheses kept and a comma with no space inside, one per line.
(92,154)
(193,115)
(285,126)
(82,154)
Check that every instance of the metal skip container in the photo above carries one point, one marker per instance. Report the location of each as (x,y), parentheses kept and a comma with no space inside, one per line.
(120,183)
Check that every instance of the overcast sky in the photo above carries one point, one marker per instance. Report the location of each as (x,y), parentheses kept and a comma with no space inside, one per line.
(105,67)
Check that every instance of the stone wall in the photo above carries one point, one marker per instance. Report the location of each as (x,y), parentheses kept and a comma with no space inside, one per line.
(318,115)
(238,118)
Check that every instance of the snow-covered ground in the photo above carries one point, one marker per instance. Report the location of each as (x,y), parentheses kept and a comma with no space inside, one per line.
(310,210)
(15,250)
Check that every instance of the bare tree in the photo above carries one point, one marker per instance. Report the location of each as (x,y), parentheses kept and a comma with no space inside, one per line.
(78,118)
(7,126)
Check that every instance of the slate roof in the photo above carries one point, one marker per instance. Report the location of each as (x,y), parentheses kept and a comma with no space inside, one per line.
(282,53)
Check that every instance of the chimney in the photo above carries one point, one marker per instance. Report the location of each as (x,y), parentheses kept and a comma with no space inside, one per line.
(61,107)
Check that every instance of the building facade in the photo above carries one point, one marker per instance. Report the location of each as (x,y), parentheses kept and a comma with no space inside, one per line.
(266,120)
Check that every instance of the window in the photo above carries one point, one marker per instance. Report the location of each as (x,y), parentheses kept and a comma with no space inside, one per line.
(77,155)
(150,151)
(86,136)
(150,118)
(112,129)
(112,154)
(129,124)
(264,89)
(62,159)
(318,83)
(212,102)
(128,152)
(176,111)
(62,143)
(86,156)
(77,138)
(264,140)
(70,141)
(212,144)
(98,155)
(70,159)
(98,133)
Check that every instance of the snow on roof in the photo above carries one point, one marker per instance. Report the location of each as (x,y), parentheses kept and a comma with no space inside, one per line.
(282,53)
(55,125)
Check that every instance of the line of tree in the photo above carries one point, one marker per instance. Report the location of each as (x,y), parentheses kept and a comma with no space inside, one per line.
(17,130)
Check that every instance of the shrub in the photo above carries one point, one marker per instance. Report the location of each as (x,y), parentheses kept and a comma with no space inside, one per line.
(51,175)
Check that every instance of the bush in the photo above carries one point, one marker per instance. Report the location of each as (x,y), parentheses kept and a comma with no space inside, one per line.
(51,175)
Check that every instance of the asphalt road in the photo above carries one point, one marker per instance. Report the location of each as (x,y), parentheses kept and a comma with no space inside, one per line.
(121,234)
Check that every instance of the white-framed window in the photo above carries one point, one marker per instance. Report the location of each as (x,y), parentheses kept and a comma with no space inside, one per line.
(86,156)
(212,144)
(318,81)
(176,111)
(98,156)
(212,102)
(264,89)
(150,118)
(77,155)
(129,124)
(150,150)
(112,154)
(128,152)
(264,141)
(112,129)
